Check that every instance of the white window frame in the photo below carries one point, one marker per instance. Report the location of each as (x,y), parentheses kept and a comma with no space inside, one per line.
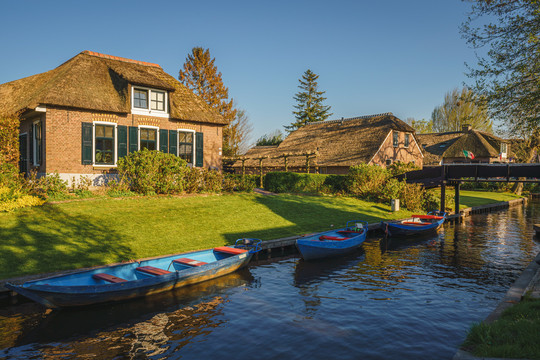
(149,111)
(394,135)
(94,123)
(504,154)
(407,140)
(147,127)
(178,142)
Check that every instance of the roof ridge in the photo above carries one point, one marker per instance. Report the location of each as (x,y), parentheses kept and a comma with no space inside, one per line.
(118,58)
(349,119)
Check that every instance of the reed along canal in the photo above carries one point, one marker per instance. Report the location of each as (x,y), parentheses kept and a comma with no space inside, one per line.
(393,299)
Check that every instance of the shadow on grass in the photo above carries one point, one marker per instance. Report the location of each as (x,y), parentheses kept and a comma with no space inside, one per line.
(470,201)
(309,214)
(54,240)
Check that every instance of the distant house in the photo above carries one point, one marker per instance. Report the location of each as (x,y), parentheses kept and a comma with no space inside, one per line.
(334,146)
(84,115)
(451,147)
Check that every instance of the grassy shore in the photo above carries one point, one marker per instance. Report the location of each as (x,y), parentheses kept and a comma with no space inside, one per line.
(105,230)
(514,335)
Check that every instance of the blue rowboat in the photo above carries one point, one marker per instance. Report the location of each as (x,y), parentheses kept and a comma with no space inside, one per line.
(333,242)
(138,278)
(416,225)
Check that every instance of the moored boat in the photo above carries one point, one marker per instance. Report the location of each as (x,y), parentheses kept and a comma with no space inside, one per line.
(138,278)
(333,242)
(416,225)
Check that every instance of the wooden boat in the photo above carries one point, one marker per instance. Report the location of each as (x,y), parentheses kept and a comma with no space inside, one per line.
(333,242)
(139,278)
(416,225)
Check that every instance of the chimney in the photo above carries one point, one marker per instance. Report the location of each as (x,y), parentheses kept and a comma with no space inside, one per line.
(466,128)
(342,120)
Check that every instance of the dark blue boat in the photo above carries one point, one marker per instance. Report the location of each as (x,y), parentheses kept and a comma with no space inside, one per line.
(416,225)
(139,278)
(333,242)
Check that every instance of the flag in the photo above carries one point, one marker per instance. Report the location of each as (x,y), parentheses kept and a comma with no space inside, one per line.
(468,154)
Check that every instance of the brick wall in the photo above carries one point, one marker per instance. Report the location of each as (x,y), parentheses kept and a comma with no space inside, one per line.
(400,153)
(62,141)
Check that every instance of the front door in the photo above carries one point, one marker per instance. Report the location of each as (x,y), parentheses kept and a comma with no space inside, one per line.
(23,153)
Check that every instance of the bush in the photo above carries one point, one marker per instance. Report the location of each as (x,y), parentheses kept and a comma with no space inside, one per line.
(51,185)
(399,168)
(153,172)
(280,182)
(212,181)
(392,189)
(367,180)
(335,184)
(11,199)
(233,182)
(412,197)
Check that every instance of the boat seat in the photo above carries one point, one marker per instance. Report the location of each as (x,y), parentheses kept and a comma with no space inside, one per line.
(350,233)
(152,270)
(109,278)
(414,223)
(229,250)
(336,238)
(190,262)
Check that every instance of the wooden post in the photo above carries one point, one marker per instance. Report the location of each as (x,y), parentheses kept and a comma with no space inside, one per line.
(443,196)
(456,199)
(243,166)
(261,173)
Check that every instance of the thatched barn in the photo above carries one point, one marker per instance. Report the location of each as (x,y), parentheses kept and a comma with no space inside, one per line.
(331,147)
(81,117)
(453,147)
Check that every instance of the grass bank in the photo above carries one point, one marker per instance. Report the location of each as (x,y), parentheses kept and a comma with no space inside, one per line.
(514,335)
(106,230)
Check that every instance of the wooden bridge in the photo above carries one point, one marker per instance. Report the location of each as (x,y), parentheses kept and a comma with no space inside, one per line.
(455,174)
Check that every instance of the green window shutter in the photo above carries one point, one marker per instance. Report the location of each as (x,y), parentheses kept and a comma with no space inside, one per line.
(163,143)
(199,149)
(122,141)
(87,129)
(31,147)
(173,142)
(133,139)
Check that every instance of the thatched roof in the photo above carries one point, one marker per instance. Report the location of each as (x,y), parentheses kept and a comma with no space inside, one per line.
(344,142)
(100,82)
(451,145)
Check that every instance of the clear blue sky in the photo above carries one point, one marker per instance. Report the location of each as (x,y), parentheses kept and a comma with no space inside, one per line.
(372,56)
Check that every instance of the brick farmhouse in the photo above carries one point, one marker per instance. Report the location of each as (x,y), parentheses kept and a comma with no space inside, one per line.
(335,145)
(81,117)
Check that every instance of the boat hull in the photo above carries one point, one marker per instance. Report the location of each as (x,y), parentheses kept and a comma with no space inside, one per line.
(397,229)
(55,296)
(312,248)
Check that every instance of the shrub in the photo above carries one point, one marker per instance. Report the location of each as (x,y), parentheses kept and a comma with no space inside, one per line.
(212,181)
(366,180)
(11,199)
(151,171)
(399,168)
(412,197)
(335,184)
(52,185)
(392,189)
(233,182)
(9,140)
(280,182)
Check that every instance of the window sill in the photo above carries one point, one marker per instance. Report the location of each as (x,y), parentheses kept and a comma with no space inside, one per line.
(103,167)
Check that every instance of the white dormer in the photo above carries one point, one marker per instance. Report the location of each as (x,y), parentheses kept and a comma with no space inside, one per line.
(147,101)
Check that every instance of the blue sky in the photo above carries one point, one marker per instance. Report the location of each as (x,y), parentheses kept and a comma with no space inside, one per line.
(372,56)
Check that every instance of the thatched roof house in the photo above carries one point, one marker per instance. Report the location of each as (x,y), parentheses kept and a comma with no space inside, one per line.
(451,147)
(61,108)
(334,146)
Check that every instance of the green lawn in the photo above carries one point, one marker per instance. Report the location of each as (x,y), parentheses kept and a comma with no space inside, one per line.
(477,198)
(106,230)
(514,335)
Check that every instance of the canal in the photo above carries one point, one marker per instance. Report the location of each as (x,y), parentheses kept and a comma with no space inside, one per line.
(393,299)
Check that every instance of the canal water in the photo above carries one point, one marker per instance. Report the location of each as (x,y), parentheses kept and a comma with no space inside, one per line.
(394,299)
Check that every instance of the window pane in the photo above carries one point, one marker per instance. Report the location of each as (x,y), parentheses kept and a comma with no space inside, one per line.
(152,135)
(185,146)
(100,132)
(104,145)
(140,99)
(109,131)
(157,100)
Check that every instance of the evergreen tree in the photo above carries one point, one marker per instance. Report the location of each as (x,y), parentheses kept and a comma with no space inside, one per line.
(200,74)
(310,100)
(274,138)
(460,108)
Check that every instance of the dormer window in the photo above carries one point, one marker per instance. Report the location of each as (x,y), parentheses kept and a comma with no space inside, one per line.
(146,101)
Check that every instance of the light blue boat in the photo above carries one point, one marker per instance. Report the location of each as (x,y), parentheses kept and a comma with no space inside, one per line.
(333,242)
(138,278)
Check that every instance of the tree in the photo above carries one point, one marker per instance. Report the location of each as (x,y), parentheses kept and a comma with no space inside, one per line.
(421,126)
(274,138)
(508,74)
(239,134)
(200,74)
(309,100)
(461,108)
